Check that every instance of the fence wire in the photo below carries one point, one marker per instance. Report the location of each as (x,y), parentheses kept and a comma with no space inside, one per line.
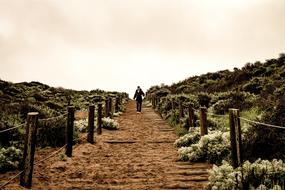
(40,120)
(263,124)
(5,184)
(54,153)
(53,118)
(40,161)
(5,130)
(217,115)
(60,149)
(51,155)
(79,138)
(44,159)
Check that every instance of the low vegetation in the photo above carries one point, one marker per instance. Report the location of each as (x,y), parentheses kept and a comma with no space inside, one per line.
(257,90)
(110,124)
(18,99)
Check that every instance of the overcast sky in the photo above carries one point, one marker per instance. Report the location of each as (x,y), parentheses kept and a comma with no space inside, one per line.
(120,44)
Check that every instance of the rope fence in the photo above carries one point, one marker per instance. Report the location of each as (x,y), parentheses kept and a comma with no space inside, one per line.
(31,131)
(57,151)
(234,124)
(12,128)
(263,124)
(53,118)
(40,120)
(51,155)
(12,179)
(216,115)
(40,161)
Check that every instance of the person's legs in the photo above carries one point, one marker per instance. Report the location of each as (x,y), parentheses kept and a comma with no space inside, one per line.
(140,107)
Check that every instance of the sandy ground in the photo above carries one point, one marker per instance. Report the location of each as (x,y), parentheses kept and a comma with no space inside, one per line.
(140,155)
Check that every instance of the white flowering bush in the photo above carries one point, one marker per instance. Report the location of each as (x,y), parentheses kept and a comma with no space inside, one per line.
(9,158)
(110,124)
(212,148)
(263,187)
(262,174)
(188,139)
(117,114)
(223,177)
(81,125)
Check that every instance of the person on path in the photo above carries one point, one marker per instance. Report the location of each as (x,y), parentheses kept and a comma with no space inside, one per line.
(138,97)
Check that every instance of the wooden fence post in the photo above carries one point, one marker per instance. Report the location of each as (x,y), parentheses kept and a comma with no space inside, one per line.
(153,101)
(121,100)
(235,132)
(90,136)
(191,117)
(107,107)
(172,106)
(203,121)
(110,113)
(181,111)
(99,119)
(69,131)
(117,104)
(29,150)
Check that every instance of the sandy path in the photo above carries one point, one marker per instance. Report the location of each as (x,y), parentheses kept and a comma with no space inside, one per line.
(140,155)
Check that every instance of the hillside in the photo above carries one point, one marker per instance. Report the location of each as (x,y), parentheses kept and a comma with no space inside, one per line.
(257,78)
(17,99)
(257,89)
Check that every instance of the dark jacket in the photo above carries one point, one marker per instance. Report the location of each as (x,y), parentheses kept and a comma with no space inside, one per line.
(138,95)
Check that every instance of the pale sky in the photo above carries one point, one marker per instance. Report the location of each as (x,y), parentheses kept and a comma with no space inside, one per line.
(120,44)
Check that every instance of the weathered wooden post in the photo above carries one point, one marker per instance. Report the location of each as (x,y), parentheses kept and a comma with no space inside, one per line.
(203,121)
(107,107)
(90,135)
(120,100)
(172,106)
(69,131)
(235,132)
(117,104)
(181,111)
(191,117)
(99,119)
(29,150)
(153,101)
(110,114)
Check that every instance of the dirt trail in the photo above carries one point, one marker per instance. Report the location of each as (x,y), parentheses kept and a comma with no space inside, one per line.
(140,155)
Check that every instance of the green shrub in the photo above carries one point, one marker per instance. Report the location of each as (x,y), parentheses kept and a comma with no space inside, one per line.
(52,133)
(220,123)
(280,91)
(162,92)
(10,158)
(173,117)
(238,100)
(54,105)
(180,130)
(267,142)
(11,137)
(254,86)
(204,99)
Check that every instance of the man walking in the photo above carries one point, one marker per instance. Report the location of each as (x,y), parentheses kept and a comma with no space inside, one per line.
(138,97)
